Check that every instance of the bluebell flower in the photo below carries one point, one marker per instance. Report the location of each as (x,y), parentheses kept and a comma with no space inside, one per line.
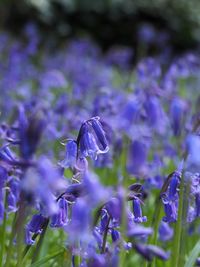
(193,147)
(137,211)
(150,251)
(104,220)
(177,109)
(137,157)
(115,235)
(92,139)
(71,154)
(165,231)
(30,130)
(35,226)
(79,226)
(170,198)
(155,115)
(44,177)
(137,230)
(61,217)
(171,210)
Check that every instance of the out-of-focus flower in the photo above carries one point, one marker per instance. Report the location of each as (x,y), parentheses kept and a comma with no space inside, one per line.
(44,177)
(165,231)
(30,130)
(71,154)
(137,157)
(60,218)
(150,251)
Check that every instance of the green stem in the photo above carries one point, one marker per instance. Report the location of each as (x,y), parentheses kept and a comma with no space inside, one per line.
(39,244)
(105,237)
(3,236)
(10,246)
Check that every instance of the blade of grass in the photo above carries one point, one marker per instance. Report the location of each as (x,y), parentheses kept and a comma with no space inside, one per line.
(193,255)
(47,258)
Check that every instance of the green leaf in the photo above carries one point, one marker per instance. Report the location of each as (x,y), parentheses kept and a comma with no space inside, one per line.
(193,255)
(47,258)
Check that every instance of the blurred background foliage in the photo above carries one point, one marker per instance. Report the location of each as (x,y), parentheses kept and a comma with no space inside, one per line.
(123,22)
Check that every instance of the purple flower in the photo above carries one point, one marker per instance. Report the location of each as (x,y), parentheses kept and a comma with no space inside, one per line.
(136,230)
(44,177)
(137,211)
(71,154)
(34,227)
(177,109)
(79,226)
(137,158)
(171,210)
(30,130)
(115,235)
(150,251)
(193,146)
(170,198)
(60,218)
(92,139)
(165,231)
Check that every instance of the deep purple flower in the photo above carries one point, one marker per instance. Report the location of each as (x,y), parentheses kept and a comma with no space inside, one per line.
(34,227)
(173,186)
(30,130)
(115,235)
(104,220)
(170,209)
(137,211)
(92,139)
(177,109)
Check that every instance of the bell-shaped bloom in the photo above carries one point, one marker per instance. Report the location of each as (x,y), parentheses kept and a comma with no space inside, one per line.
(71,154)
(137,211)
(174,186)
(104,220)
(137,157)
(156,117)
(177,109)
(115,235)
(193,147)
(165,231)
(60,218)
(150,251)
(30,131)
(92,139)
(137,230)
(79,226)
(100,134)
(35,226)
(171,210)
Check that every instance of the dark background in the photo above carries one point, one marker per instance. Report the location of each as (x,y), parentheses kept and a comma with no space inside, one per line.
(151,23)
